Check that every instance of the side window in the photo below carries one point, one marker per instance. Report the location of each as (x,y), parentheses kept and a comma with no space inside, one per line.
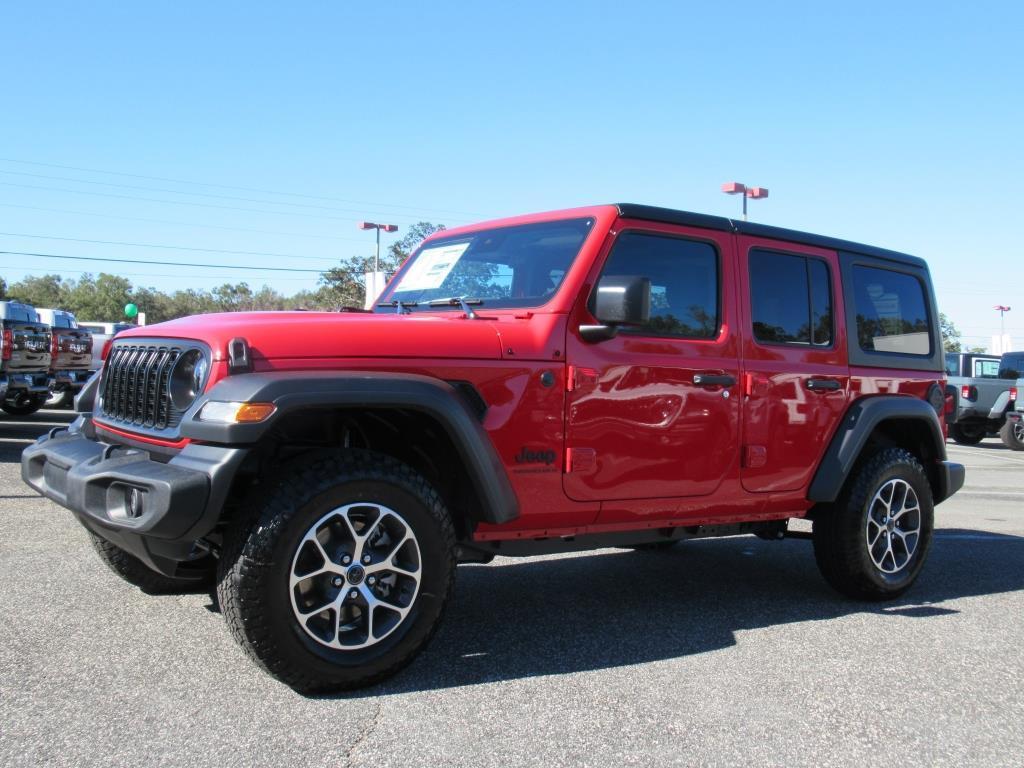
(986,369)
(891,311)
(952,364)
(684,282)
(1011,367)
(790,298)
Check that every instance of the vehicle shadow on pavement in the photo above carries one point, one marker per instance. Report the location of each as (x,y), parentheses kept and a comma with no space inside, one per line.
(511,619)
(19,432)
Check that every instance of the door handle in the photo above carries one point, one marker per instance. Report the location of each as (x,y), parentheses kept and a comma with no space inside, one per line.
(713,380)
(822,385)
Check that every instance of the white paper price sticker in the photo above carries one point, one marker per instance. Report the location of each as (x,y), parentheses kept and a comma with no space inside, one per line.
(431,267)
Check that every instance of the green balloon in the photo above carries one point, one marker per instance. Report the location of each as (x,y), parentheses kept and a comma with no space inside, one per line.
(130,310)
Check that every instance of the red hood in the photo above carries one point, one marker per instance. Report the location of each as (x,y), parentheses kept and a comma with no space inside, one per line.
(277,335)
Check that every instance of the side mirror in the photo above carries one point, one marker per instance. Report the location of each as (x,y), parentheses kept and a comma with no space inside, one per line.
(619,300)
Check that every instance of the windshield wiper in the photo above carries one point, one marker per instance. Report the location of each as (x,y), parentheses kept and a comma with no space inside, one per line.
(399,306)
(463,302)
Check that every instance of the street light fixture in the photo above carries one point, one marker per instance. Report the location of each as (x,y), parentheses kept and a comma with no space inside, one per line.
(754,193)
(1003,345)
(376,258)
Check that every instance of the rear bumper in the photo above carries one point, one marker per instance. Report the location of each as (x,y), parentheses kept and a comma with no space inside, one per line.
(951,479)
(154,509)
(73,380)
(32,383)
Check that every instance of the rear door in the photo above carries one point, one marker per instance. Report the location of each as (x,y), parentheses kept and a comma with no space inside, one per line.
(795,372)
(652,412)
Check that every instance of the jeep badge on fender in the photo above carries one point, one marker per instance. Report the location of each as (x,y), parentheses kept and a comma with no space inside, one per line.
(699,376)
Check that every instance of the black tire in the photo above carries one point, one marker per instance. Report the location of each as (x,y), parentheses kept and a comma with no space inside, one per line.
(23,407)
(261,546)
(136,572)
(841,546)
(967,434)
(1012,435)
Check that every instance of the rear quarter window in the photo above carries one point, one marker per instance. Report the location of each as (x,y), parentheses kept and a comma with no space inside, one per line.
(891,312)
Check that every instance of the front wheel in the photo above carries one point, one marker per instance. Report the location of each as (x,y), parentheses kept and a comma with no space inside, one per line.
(340,576)
(1012,434)
(874,540)
(967,434)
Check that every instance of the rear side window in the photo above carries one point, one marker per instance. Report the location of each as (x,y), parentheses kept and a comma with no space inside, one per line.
(986,369)
(790,299)
(891,311)
(684,283)
(1012,366)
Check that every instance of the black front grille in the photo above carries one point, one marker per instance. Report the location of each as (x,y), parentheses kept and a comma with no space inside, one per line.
(136,385)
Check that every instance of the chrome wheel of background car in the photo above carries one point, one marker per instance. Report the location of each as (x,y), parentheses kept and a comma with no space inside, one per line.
(355,576)
(1018,431)
(893,526)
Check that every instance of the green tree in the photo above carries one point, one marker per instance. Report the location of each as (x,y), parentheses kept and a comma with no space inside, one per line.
(101,298)
(401,248)
(950,335)
(3,288)
(48,291)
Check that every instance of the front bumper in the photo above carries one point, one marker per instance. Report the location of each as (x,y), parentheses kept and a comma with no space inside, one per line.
(154,509)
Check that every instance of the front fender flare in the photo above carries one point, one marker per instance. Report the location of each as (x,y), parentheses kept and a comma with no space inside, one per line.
(311,390)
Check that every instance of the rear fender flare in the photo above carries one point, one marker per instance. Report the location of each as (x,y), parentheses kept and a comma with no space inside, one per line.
(860,420)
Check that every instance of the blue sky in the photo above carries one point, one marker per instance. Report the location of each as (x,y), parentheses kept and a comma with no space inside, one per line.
(894,124)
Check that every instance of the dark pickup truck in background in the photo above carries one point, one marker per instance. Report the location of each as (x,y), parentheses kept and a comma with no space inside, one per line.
(24,359)
(71,356)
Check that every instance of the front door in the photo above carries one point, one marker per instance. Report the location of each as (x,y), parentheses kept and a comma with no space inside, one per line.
(796,378)
(653,412)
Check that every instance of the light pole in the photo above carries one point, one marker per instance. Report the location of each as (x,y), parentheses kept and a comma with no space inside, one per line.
(1002,310)
(754,193)
(376,258)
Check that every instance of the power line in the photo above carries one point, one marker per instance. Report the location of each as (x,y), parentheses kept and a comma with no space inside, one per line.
(162,263)
(359,212)
(167,247)
(241,189)
(183,223)
(182,202)
(152,274)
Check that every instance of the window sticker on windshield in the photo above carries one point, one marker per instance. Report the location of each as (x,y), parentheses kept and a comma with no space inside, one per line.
(431,267)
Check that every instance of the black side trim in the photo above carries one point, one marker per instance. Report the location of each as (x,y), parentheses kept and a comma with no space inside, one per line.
(858,423)
(292,392)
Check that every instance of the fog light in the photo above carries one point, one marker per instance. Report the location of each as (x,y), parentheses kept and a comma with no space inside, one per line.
(132,504)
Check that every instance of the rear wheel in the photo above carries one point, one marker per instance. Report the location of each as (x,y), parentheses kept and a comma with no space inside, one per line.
(1012,434)
(967,434)
(873,542)
(24,406)
(136,572)
(341,575)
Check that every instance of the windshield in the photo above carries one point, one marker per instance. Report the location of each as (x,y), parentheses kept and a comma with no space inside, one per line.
(519,266)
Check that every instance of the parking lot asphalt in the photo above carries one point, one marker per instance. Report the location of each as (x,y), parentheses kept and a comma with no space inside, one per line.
(719,652)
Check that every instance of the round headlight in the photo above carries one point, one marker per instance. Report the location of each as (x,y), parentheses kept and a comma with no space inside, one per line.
(187,378)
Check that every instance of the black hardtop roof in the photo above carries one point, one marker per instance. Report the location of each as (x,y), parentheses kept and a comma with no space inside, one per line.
(686,218)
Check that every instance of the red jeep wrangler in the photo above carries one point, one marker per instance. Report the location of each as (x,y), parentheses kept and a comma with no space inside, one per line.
(607,376)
